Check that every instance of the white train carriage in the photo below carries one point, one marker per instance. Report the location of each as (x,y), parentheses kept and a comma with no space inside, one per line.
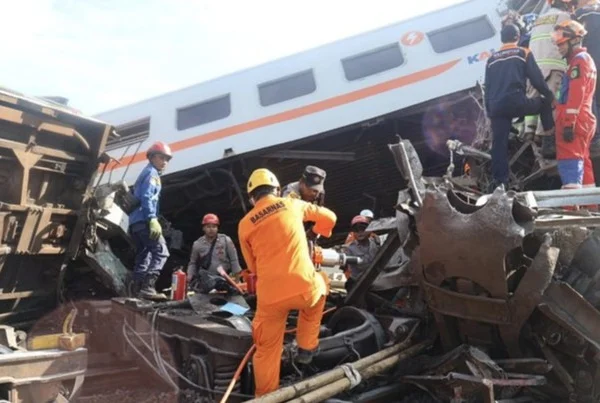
(293,98)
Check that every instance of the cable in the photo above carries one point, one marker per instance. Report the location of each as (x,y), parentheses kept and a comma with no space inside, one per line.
(138,352)
(169,367)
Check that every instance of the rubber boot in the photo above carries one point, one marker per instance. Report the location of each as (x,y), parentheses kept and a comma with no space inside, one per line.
(548,150)
(148,290)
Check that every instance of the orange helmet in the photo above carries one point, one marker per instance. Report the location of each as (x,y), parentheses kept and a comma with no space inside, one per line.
(159,148)
(567,30)
(210,219)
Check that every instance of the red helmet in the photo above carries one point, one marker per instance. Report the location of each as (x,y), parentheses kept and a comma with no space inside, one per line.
(359,219)
(159,148)
(210,219)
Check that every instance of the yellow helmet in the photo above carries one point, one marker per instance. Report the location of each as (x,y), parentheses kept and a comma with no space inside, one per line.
(262,177)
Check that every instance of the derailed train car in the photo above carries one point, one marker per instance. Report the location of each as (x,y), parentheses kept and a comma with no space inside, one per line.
(55,235)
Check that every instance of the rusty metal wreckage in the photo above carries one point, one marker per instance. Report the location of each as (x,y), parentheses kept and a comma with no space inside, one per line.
(470,298)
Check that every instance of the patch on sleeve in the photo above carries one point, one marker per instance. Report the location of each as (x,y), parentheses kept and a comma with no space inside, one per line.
(155,181)
(574,72)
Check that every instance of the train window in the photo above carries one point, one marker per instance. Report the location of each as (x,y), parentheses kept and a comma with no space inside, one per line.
(286,88)
(462,34)
(204,112)
(129,133)
(372,62)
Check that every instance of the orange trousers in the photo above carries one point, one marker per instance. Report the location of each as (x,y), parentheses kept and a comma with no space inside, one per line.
(268,328)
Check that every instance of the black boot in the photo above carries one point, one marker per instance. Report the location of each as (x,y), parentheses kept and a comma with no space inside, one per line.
(305,356)
(548,147)
(148,290)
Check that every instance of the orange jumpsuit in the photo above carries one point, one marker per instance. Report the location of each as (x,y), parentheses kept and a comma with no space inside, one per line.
(273,243)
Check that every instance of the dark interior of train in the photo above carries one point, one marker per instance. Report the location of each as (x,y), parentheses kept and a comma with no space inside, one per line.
(361,172)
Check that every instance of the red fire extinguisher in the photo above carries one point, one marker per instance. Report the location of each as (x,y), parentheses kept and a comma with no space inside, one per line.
(178,285)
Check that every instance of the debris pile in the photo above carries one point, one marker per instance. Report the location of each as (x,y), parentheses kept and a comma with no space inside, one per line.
(485,298)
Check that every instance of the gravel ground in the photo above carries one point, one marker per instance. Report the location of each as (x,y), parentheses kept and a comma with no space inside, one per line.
(132,396)
(144,396)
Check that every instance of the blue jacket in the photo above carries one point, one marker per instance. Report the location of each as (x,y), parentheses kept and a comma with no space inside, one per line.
(147,190)
(506,75)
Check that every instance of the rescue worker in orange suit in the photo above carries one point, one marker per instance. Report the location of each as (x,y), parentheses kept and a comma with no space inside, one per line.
(213,250)
(588,14)
(151,247)
(506,77)
(550,62)
(575,120)
(274,246)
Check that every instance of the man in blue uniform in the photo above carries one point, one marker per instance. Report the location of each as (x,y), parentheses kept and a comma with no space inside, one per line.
(151,248)
(506,75)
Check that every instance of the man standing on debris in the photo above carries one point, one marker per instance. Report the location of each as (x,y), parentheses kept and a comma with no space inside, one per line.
(364,246)
(274,246)
(506,77)
(575,120)
(588,14)
(550,62)
(310,187)
(151,247)
(213,250)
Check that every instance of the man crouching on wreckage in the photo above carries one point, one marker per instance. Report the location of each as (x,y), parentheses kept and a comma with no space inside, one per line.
(275,248)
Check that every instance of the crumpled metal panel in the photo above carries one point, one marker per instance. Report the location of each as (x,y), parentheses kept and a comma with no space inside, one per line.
(463,250)
(564,305)
(460,241)
(109,268)
(469,373)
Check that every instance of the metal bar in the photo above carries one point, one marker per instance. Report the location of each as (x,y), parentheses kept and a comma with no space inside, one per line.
(546,223)
(25,294)
(564,197)
(52,152)
(312,155)
(28,367)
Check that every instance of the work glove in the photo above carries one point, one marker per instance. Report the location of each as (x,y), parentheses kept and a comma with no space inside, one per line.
(568,135)
(155,229)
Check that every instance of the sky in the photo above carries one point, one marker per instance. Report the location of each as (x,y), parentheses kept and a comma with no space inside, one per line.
(102,54)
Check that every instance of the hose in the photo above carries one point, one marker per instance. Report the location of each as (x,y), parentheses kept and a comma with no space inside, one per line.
(238,372)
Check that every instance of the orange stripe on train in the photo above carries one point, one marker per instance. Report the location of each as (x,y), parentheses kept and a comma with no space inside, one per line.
(297,112)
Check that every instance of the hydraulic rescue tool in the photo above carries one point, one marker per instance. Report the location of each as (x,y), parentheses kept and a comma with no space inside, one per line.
(329,257)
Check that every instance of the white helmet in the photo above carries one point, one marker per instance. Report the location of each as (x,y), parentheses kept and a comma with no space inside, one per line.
(367,213)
